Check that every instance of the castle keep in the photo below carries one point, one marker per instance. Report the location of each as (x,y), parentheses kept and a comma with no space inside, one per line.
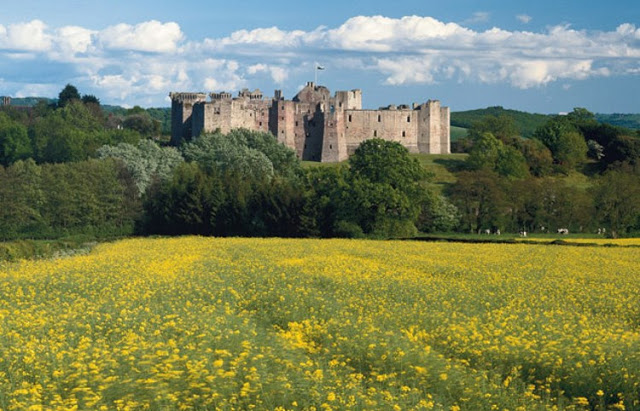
(316,125)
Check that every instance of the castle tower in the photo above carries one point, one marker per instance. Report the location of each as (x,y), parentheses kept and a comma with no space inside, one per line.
(334,143)
(433,128)
(6,101)
(181,112)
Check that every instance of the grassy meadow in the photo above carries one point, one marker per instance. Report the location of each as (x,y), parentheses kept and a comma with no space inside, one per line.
(204,323)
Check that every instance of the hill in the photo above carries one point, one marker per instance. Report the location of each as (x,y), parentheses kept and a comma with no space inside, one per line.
(526,122)
(30,101)
(631,121)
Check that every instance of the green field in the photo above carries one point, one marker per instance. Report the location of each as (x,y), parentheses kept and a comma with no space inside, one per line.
(458,133)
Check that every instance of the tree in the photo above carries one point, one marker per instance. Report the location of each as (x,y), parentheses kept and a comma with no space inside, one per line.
(485,151)
(503,127)
(617,201)
(145,161)
(386,162)
(229,155)
(492,154)
(563,206)
(480,200)
(511,163)
(22,198)
(14,141)
(68,94)
(567,145)
(437,214)
(186,204)
(90,99)
(385,188)
(537,156)
(142,123)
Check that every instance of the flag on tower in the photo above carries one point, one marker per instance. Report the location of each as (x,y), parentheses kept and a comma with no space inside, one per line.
(319,67)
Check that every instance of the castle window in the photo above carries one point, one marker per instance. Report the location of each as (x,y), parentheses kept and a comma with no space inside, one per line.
(281,118)
(349,118)
(330,147)
(261,124)
(379,118)
(408,119)
(282,107)
(296,124)
(375,133)
(404,134)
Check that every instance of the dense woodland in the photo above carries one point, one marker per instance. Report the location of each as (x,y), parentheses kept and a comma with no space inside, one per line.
(75,167)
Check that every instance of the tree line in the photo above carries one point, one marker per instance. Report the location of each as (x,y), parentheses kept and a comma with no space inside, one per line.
(68,169)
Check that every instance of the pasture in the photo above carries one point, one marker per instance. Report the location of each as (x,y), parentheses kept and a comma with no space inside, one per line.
(204,323)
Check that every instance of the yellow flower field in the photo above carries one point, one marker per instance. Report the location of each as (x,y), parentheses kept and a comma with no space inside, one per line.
(202,323)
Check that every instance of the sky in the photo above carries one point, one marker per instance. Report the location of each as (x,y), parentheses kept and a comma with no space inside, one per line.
(546,56)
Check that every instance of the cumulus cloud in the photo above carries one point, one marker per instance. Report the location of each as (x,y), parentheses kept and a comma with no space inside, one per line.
(143,62)
(74,39)
(150,36)
(29,36)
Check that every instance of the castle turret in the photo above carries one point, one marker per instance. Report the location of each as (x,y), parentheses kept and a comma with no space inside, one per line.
(181,110)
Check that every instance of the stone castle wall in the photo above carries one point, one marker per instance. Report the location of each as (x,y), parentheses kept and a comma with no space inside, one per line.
(318,126)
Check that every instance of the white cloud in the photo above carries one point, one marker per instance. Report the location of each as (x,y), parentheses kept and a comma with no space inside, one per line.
(157,57)
(524,18)
(478,17)
(29,36)
(150,36)
(266,36)
(74,39)
(278,74)
(384,34)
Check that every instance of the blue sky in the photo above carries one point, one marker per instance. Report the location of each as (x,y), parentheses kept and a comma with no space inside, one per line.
(544,56)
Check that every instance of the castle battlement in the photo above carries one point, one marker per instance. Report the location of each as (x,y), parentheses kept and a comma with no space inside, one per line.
(317,125)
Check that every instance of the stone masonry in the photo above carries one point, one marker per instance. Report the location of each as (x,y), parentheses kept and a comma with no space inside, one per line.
(316,125)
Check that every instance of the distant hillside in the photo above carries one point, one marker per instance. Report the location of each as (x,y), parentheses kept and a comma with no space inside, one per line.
(526,122)
(631,121)
(30,101)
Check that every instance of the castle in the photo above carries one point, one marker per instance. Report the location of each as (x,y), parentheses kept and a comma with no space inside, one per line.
(316,125)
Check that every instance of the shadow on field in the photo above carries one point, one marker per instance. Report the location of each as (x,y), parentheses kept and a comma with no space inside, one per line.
(452,165)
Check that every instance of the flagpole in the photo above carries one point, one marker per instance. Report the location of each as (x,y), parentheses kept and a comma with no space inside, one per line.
(315,74)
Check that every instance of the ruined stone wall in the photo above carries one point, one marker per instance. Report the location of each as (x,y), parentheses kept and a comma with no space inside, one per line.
(229,114)
(434,130)
(282,117)
(314,124)
(6,101)
(334,142)
(216,115)
(392,125)
(309,122)
(182,105)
